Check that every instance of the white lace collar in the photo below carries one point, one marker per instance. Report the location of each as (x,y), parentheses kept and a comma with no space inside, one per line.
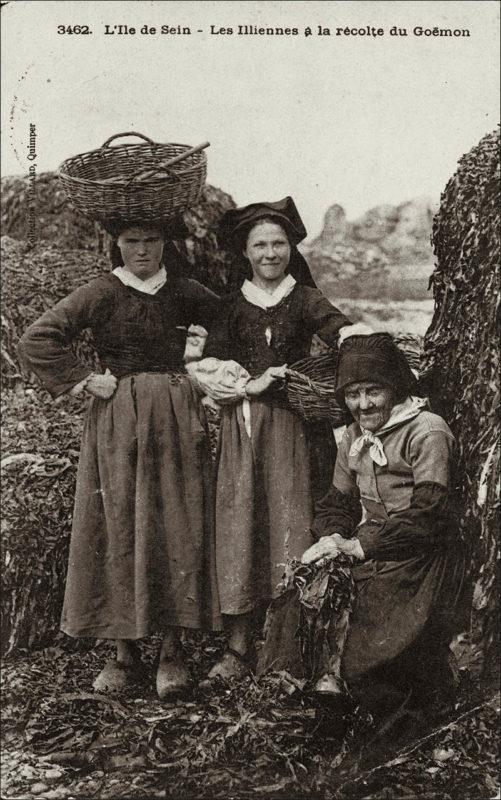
(258,297)
(149,286)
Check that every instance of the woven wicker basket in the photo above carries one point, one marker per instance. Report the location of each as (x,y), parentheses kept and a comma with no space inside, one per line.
(411,346)
(140,180)
(311,382)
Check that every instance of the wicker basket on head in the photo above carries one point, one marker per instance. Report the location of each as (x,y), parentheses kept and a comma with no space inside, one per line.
(311,382)
(140,180)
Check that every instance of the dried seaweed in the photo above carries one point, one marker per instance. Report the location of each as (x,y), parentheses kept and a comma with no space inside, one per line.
(325,595)
(250,739)
(462,356)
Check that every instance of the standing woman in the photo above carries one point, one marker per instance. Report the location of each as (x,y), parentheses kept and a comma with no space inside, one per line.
(141,555)
(264,498)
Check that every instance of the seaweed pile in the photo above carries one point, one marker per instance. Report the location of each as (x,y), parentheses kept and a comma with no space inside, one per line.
(56,219)
(57,222)
(461,352)
(61,740)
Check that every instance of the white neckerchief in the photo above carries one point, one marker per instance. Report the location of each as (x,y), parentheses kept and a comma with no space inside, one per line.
(376,450)
(149,286)
(258,297)
(402,412)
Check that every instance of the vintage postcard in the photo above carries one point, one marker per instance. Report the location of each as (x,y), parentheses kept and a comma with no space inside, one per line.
(250,385)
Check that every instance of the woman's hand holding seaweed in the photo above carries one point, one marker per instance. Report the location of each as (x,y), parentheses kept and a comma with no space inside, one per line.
(330,547)
(322,551)
(350,547)
(259,385)
(101,386)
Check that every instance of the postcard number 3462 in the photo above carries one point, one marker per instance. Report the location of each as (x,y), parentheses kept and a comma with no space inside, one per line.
(81,29)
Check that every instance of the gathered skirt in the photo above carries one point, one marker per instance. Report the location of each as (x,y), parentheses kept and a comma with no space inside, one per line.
(142,551)
(404,616)
(264,501)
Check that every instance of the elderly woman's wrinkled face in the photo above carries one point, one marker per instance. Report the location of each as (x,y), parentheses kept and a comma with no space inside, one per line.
(268,251)
(370,404)
(141,250)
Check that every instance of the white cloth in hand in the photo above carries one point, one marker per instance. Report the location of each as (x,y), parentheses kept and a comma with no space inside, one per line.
(223,381)
(195,343)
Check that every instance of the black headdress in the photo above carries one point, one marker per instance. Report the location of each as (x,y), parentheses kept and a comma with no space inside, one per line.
(237,223)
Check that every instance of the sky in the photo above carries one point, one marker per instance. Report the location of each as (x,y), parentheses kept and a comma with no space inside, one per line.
(358,120)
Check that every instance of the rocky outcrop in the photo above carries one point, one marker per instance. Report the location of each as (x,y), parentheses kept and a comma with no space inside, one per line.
(386,245)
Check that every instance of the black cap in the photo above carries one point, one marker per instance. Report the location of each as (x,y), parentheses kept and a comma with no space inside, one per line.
(374,358)
(174,228)
(237,222)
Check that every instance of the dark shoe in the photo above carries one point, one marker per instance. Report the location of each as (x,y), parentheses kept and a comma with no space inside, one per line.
(116,675)
(173,678)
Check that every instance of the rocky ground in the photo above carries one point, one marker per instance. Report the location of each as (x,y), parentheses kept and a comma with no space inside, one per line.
(62,740)
(396,316)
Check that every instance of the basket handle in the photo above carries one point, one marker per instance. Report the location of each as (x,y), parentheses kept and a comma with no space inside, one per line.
(164,167)
(186,153)
(127,133)
(154,171)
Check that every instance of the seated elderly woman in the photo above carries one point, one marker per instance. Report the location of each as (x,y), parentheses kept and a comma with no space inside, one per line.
(389,508)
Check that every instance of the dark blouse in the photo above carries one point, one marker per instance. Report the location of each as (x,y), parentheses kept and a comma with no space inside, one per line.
(407,501)
(132,331)
(240,330)
(429,523)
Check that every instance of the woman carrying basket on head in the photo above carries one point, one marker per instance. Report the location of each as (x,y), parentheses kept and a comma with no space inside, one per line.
(265,487)
(141,556)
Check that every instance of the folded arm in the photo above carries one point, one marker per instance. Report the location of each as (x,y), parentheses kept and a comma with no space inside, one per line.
(424,525)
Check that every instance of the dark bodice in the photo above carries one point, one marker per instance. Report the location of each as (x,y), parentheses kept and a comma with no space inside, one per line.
(240,332)
(132,331)
(135,332)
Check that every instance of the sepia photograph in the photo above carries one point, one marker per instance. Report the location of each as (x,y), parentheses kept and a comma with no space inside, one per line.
(250,400)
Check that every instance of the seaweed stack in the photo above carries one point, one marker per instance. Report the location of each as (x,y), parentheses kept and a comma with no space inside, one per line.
(461,352)
(56,219)
(57,222)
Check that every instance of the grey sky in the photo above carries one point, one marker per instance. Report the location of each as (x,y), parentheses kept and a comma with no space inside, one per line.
(347,119)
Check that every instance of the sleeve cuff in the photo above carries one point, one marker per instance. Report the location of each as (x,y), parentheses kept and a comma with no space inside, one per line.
(368,536)
(359,329)
(358,551)
(79,387)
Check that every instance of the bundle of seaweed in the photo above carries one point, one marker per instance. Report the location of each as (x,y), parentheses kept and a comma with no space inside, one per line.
(462,357)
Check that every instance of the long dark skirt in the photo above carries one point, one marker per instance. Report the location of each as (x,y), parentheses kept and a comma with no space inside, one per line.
(142,545)
(403,619)
(266,485)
